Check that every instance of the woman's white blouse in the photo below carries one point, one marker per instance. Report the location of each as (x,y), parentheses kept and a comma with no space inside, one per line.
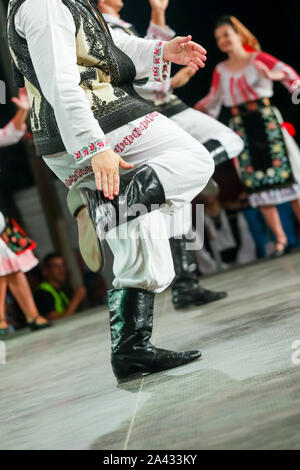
(232,88)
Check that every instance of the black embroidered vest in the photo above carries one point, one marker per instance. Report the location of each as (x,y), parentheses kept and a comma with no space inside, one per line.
(175,105)
(99,62)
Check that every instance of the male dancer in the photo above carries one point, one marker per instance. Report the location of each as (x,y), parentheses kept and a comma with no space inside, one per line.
(221,141)
(79,76)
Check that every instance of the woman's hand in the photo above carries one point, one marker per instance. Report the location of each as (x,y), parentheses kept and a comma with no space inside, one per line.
(199,107)
(22,101)
(184,51)
(269,74)
(106,170)
(159,4)
(182,77)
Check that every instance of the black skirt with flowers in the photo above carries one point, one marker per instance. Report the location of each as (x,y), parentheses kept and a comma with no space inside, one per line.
(264,163)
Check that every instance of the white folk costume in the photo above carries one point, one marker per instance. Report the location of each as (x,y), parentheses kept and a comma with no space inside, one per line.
(269,164)
(221,141)
(79,77)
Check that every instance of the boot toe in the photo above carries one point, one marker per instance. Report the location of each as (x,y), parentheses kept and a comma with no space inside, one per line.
(191,356)
(208,296)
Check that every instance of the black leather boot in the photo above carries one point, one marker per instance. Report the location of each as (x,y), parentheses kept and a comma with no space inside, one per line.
(140,190)
(186,289)
(217,151)
(131,322)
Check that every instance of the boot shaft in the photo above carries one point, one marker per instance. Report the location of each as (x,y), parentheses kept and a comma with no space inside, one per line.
(140,192)
(131,318)
(184,260)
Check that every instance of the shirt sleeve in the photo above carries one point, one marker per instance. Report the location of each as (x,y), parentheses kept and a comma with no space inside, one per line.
(10,135)
(157,92)
(146,55)
(50,32)
(158,32)
(213,101)
(291,78)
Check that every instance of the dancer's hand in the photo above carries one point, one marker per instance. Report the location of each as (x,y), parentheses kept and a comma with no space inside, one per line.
(184,51)
(106,170)
(269,74)
(22,101)
(182,77)
(199,107)
(161,5)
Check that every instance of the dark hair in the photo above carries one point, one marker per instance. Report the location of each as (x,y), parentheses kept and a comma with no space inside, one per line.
(48,258)
(224,20)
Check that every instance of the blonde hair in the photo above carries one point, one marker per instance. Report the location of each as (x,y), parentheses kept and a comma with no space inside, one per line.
(248,39)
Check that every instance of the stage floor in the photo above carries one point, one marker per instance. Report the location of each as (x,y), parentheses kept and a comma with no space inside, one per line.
(57,390)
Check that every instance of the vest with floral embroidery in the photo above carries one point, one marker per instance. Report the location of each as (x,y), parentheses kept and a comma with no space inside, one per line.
(99,61)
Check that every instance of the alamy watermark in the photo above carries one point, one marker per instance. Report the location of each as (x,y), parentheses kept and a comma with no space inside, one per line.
(2,353)
(156,223)
(2,92)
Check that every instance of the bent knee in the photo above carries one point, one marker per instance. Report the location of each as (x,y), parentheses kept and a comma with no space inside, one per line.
(238,145)
(232,143)
(209,163)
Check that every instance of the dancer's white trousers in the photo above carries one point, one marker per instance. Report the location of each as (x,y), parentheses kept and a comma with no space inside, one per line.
(142,258)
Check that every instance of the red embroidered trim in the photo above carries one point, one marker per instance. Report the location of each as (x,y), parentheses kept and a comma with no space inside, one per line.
(136,133)
(119,148)
(90,150)
(160,68)
(79,173)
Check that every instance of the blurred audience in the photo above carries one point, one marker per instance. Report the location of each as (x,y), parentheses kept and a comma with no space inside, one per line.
(51,297)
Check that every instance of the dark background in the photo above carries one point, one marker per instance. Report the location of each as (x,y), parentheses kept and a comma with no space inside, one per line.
(276,25)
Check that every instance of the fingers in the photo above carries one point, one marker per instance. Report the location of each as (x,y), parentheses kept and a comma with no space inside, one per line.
(193,45)
(108,182)
(196,58)
(198,48)
(198,54)
(111,184)
(106,170)
(98,180)
(183,40)
(194,66)
(17,101)
(125,165)
(104,182)
(116,183)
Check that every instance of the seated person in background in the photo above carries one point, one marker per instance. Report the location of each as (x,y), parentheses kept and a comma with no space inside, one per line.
(51,300)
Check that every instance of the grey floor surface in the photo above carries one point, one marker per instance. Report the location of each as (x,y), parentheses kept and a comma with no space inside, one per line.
(57,390)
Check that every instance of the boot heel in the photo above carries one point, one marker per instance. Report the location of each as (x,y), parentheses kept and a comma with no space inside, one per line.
(131,321)
(124,370)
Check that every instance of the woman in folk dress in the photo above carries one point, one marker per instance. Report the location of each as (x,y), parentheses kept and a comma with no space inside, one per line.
(269,164)
(12,265)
